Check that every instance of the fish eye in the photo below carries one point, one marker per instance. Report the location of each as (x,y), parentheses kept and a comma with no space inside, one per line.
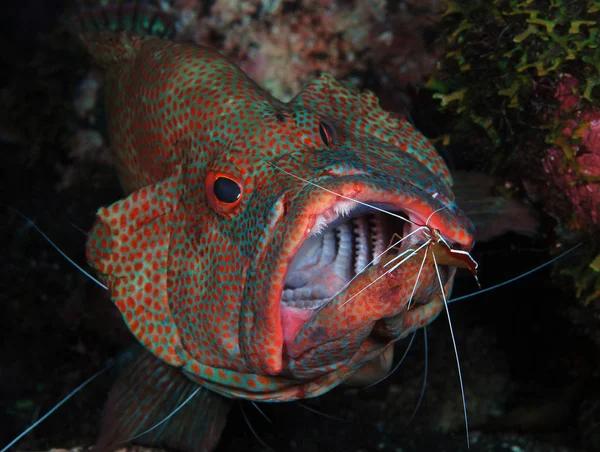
(227,190)
(327,133)
(224,191)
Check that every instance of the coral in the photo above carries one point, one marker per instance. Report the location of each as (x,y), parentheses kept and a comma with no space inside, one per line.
(522,79)
(51,109)
(86,144)
(398,50)
(284,44)
(86,97)
(573,160)
(516,75)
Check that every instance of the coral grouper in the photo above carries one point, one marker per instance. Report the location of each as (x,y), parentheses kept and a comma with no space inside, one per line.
(243,254)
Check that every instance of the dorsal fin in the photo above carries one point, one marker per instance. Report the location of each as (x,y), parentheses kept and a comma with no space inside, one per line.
(114,32)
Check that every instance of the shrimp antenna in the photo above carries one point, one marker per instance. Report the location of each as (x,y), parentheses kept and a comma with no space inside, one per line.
(55,246)
(320,413)
(260,440)
(262,412)
(425,373)
(412,253)
(397,366)
(171,414)
(460,379)
(78,228)
(375,259)
(516,278)
(57,406)
(417,279)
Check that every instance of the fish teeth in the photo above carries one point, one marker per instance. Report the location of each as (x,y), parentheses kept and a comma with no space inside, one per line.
(308,304)
(313,304)
(336,250)
(361,232)
(377,234)
(303,293)
(343,260)
(319,226)
(343,208)
(319,292)
(327,249)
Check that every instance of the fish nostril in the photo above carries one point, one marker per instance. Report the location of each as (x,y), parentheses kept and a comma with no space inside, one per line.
(327,132)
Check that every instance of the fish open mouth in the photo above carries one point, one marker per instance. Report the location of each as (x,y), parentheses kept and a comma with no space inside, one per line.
(345,238)
(343,242)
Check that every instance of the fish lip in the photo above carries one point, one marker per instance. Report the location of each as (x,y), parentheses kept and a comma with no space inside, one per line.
(293,318)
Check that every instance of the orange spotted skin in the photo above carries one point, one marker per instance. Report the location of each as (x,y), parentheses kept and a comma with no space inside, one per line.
(199,281)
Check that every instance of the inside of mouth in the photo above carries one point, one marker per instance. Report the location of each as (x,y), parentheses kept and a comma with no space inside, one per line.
(336,251)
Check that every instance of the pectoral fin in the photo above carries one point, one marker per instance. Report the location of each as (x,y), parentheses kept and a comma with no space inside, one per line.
(147,392)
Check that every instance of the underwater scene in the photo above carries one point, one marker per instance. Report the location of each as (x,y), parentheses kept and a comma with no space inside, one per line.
(300,225)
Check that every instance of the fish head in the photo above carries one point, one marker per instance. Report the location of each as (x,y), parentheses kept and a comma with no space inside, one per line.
(259,266)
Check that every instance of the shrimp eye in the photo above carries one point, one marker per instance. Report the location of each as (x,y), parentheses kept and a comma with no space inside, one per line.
(224,191)
(327,133)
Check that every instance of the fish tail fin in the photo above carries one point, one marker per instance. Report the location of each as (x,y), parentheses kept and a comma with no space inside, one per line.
(154,404)
(115,31)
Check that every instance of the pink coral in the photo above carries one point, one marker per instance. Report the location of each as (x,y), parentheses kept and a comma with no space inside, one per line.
(574,165)
(566,93)
(584,196)
(590,136)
